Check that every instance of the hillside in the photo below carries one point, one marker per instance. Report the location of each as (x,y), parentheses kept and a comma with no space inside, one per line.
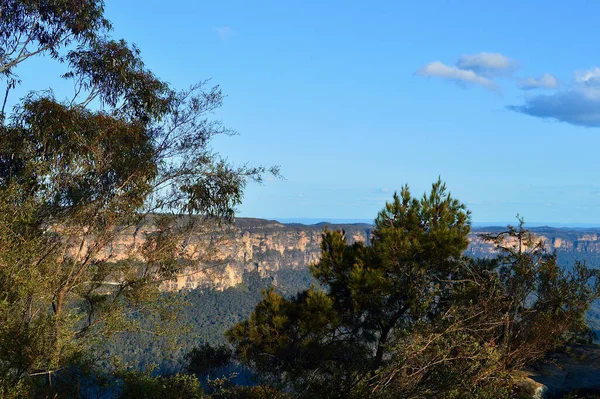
(260,253)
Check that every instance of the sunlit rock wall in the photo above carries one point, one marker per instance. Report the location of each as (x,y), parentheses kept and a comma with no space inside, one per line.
(268,246)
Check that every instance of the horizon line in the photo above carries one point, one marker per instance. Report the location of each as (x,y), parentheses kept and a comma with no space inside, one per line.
(316,220)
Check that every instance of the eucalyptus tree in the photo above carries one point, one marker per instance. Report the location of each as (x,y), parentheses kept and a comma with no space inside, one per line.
(124,150)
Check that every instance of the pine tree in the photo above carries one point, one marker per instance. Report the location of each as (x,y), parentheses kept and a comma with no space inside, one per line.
(410,316)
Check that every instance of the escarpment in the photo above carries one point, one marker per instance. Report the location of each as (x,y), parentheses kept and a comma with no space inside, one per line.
(266,246)
(219,256)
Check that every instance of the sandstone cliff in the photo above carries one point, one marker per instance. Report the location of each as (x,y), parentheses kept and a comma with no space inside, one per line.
(220,255)
(267,246)
(263,246)
(578,242)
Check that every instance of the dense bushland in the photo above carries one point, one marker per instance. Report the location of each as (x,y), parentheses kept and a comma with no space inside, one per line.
(410,316)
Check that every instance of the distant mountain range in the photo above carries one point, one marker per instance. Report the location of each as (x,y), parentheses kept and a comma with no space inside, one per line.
(311,221)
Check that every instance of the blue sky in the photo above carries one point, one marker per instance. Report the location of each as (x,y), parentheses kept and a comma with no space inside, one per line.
(353,99)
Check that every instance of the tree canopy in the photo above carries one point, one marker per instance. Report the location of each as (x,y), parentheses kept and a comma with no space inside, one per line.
(411,316)
(124,150)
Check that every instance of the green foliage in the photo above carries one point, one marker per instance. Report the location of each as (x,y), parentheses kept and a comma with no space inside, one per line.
(410,316)
(137,385)
(76,174)
(205,358)
(206,314)
(537,304)
(372,292)
(30,27)
(223,388)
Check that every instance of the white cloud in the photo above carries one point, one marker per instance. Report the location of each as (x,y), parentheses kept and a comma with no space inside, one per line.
(224,32)
(571,106)
(545,81)
(477,69)
(457,75)
(487,64)
(578,104)
(590,76)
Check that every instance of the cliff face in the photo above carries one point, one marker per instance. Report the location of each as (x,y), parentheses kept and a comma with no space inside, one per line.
(262,246)
(575,242)
(268,246)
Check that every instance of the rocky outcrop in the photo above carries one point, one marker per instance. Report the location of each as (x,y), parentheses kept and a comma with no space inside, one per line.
(219,256)
(267,246)
(563,240)
(561,373)
(264,247)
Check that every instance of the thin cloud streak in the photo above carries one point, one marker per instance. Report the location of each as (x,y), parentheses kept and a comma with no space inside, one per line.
(487,64)
(545,81)
(457,75)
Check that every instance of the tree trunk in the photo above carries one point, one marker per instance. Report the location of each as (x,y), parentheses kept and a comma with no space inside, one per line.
(380,349)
